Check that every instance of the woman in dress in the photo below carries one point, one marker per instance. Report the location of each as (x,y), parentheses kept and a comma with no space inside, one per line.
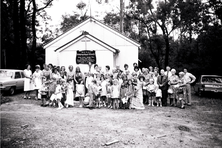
(69,95)
(37,76)
(172,91)
(28,82)
(71,75)
(137,100)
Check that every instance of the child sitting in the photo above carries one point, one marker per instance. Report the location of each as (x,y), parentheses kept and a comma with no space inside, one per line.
(151,88)
(86,100)
(57,95)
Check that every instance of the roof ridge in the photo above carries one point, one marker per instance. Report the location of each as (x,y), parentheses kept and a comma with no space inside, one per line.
(89,18)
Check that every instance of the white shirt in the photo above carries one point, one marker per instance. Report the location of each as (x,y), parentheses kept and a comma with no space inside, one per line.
(169,74)
(188,77)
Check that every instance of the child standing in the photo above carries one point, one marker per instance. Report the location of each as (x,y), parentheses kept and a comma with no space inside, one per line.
(123,96)
(151,88)
(80,92)
(43,91)
(158,97)
(69,96)
(64,89)
(92,93)
(104,91)
(108,96)
(115,93)
(130,92)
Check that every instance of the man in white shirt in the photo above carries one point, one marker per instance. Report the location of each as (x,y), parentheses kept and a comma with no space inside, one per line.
(189,79)
(168,72)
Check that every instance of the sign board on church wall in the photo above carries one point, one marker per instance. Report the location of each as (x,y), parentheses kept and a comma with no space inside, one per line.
(85,56)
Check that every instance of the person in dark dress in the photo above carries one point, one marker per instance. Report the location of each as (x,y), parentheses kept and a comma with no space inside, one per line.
(162,81)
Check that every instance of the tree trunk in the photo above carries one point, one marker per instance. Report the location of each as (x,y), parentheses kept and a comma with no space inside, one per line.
(32,56)
(166,38)
(121,16)
(16,49)
(23,47)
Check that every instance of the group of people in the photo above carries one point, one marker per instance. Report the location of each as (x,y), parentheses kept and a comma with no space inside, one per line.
(116,88)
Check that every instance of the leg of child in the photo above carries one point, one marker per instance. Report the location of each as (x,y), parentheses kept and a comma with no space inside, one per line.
(117,103)
(36,94)
(80,101)
(60,106)
(160,102)
(150,99)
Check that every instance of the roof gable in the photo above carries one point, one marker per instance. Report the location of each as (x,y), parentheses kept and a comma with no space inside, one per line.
(90,19)
(89,36)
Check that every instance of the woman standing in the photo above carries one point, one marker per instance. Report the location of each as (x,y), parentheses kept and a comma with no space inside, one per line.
(173,81)
(137,100)
(70,74)
(37,76)
(28,83)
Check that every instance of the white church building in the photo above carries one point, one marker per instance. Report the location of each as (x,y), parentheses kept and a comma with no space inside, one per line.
(92,41)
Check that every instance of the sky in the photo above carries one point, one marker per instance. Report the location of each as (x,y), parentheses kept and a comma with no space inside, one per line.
(63,7)
(98,11)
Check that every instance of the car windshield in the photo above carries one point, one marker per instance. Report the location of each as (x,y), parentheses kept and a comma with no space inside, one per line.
(212,79)
(6,74)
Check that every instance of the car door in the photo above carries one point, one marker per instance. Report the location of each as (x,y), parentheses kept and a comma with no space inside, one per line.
(19,80)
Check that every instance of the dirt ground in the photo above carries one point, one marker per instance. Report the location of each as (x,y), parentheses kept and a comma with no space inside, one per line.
(24,123)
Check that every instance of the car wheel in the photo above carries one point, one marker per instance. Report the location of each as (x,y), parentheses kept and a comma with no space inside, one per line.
(12,91)
(199,93)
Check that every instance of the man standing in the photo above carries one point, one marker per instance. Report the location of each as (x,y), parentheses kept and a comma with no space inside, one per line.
(168,72)
(162,82)
(189,79)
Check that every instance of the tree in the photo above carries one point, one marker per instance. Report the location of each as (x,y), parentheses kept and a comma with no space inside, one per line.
(20,21)
(69,21)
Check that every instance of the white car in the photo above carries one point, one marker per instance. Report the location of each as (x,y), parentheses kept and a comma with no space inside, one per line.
(208,83)
(11,80)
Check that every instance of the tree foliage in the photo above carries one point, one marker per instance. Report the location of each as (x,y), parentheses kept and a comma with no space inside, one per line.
(20,24)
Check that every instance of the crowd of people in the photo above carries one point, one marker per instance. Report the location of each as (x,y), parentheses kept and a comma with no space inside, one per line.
(115,89)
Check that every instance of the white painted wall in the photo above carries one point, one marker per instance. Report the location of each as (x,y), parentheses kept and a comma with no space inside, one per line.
(68,56)
(128,51)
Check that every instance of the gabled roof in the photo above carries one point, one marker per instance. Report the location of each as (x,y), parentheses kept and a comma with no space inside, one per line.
(91,37)
(98,22)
